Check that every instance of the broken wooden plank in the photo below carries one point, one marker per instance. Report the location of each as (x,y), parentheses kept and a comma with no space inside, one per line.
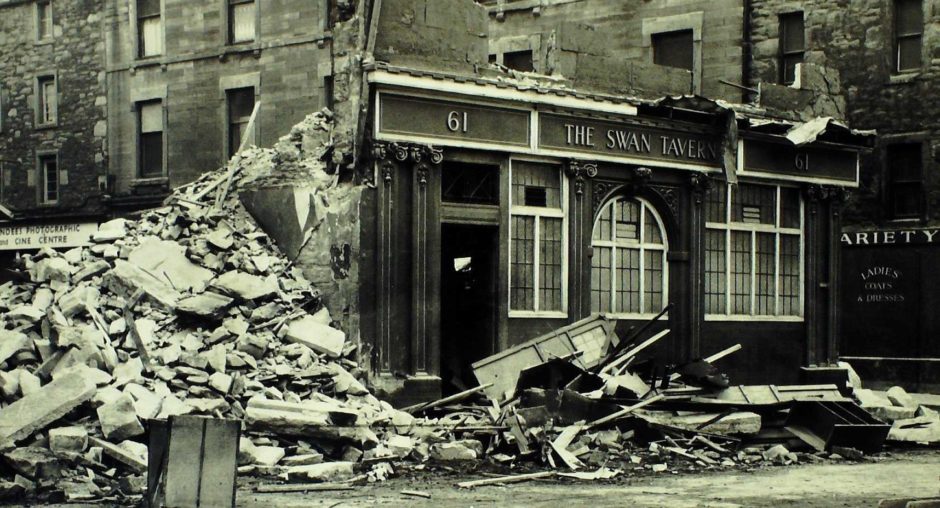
(446,400)
(506,479)
(623,412)
(302,487)
(633,352)
(416,493)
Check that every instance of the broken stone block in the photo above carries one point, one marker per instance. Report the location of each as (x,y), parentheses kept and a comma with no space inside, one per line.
(899,397)
(34,462)
(25,314)
(52,269)
(10,383)
(221,239)
(467,449)
(33,412)
(119,419)
(923,429)
(168,259)
(741,422)
(146,403)
(325,472)
(207,305)
(305,459)
(400,446)
(265,455)
(126,455)
(173,406)
(266,312)
(110,231)
(78,299)
(206,406)
(12,342)
(317,336)
(246,286)
(90,270)
(130,371)
(308,418)
(346,383)
(221,382)
(68,439)
(216,357)
(127,278)
(254,345)
(890,413)
(106,395)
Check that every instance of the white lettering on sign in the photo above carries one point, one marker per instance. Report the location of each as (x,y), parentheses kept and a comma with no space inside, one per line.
(579,135)
(46,235)
(907,236)
(457,121)
(802,162)
(880,285)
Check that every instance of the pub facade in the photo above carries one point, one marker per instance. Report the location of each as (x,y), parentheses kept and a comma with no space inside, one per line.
(498,212)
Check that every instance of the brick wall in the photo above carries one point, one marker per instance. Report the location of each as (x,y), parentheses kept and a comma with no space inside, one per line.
(75,55)
(618,45)
(856,39)
(287,64)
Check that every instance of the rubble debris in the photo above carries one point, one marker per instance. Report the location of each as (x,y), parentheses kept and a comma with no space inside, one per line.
(317,336)
(68,439)
(33,412)
(325,472)
(506,479)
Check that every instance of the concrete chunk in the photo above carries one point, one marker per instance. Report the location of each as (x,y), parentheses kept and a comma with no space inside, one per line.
(207,305)
(127,278)
(167,259)
(90,270)
(328,471)
(12,342)
(37,410)
(467,449)
(899,397)
(68,439)
(317,336)
(119,419)
(34,462)
(246,286)
(265,455)
(132,459)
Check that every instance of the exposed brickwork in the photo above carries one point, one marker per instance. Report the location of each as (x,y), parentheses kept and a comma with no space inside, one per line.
(75,55)
(855,37)
(617,48)
(287,64)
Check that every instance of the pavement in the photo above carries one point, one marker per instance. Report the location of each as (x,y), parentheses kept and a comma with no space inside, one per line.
(911,474)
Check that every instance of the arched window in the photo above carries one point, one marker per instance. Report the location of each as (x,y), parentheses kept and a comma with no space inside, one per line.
(628,268)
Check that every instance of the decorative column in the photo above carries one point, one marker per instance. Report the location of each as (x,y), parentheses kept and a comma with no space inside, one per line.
(424,351)
(386,157)
(700,185)
(837,198)
(581,220)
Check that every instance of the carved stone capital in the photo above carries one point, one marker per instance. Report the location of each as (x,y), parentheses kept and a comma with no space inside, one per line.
(641,176)
(580,171)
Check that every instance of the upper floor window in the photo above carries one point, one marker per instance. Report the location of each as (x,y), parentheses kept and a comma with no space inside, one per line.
(44,28)
(628,260)
(519,60)
(47,103)
(49,179)
(673,49)
(241,21)
(537,269)
(241,102)
(149,28)
(792,45)
(753,252)
(908,34)
(905,180)
(150,139)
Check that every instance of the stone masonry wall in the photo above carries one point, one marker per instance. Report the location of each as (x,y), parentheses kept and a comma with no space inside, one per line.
(289,64)
(619,32)
(855,37)
(75,55)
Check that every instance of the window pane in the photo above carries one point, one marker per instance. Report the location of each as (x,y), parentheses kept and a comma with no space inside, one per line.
(519,60)
(522,284)
(151,117)
(788,64)
(50,177)
(909,17)
(715,276)
(909,53)
(673,49)
(44,10)
(550,259)
(765,274)
(791,32)
(628,280)
(628,220)
(151,36)
(905,178)
(603,224)
(716,204)
(243,22)
(651,231)
(789,207)
(148,8)
(906,199)
(653,280)
(600,279)
(527,174)
(47,100)
(754,204)
(151,154)
(470,183)
(740,272)
(789,275)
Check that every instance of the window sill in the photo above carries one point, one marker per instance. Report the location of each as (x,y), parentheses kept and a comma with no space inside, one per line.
(147,61)
(782,319)
(45,126)
(537,314)
(903,77)
(44,41)
(151,180)
(628,316)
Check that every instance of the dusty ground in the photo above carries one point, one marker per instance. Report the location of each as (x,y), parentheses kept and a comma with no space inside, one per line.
(898,474)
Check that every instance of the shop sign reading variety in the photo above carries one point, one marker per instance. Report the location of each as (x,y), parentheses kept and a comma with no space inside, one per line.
(894,237)
(37,236)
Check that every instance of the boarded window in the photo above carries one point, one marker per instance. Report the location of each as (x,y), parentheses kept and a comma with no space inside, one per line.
(149,28)
(241,102)
(753,251)
(908,34)
(44,28)
(519,60)
(792,45)
(49,179)
(673,49)
(241,19)
(628,262)
(47,104)
(905,180)
(150,139)
(537,247)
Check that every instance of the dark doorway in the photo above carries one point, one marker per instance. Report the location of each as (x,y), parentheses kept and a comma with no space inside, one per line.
(468,301)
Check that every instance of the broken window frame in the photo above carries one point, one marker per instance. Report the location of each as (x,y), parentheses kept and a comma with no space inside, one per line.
(642,245)
(780,232)
(790,54)
(539,215)
(912,35)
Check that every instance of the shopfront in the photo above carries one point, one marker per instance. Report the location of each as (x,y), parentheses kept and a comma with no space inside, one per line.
(500,213)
